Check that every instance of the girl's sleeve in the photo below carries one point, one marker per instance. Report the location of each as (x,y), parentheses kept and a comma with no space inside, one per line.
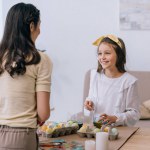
(131,114)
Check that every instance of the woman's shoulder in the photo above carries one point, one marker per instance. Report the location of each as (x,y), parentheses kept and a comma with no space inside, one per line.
(44,64)
(44,57)
(43,54)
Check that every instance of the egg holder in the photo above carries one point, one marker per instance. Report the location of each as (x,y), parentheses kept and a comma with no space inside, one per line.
(91,134)
(61,132)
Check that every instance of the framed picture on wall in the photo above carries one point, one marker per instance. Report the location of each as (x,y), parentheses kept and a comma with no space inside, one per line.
(134,15)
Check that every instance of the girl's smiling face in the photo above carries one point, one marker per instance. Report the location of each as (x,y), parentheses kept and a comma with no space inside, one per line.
(107,56)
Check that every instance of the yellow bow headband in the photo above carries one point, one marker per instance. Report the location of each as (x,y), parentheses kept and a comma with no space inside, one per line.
(110,36)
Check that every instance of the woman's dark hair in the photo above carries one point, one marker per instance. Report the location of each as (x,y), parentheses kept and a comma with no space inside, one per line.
(120,52)
(17,48)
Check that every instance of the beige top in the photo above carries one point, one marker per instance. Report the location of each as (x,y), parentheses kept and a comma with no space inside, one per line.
(17,95)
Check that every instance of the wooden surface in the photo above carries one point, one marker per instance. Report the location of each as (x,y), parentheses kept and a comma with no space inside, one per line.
(124,134)
(139,141)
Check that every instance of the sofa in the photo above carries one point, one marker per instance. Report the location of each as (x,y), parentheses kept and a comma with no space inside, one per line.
(143,88)
(144,94)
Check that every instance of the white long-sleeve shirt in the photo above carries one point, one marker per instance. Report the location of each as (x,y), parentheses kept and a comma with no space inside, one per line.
(115,96)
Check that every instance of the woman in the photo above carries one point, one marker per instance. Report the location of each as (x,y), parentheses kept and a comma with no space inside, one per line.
(25,77)
(113,93)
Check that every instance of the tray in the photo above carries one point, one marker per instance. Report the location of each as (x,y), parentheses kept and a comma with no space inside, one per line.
(61,132)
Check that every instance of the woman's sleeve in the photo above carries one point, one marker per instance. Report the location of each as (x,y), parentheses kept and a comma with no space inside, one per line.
(131,114)
(44,71)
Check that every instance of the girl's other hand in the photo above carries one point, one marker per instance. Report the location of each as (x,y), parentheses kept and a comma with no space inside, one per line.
(107,120)
(89,105)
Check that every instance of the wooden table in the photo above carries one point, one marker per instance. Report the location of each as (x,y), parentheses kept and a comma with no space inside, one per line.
(130,138)
(139,141)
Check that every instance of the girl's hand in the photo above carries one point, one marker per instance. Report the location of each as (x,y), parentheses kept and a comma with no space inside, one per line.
(89,105)
(107,120)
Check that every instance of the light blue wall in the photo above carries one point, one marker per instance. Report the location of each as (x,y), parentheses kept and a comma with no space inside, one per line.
(68,28)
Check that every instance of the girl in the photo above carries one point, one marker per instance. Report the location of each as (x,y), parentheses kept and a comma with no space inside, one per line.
(113,93)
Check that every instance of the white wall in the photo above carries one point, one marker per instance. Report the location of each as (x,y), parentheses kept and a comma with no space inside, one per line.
(68,28)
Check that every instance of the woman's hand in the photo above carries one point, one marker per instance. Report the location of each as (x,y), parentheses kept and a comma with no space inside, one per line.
(89,105)
(40,123)
(106,119)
